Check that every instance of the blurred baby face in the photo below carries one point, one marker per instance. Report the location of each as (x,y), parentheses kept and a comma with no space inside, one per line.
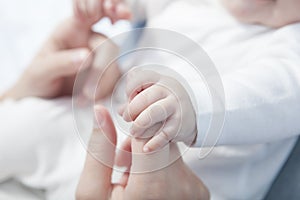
(274,13)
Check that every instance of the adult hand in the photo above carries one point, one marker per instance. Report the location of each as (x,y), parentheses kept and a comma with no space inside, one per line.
(52,72)
(175,181)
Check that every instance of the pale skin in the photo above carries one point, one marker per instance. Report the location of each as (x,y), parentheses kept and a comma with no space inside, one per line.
(273,13)
(66,53)
(95,181)
(157,105)
(94,10)
(149,107)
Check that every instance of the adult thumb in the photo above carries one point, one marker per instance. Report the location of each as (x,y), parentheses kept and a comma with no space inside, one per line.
(95,181)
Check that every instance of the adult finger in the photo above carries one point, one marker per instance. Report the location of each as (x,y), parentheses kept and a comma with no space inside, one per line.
(64,63)
(144,163)
(148,179)
(195,187)
(95,181)
(104,71)
(123,157)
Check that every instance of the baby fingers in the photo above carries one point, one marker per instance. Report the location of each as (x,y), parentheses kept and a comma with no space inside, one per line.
(168,133)
(159,111)
(143,100)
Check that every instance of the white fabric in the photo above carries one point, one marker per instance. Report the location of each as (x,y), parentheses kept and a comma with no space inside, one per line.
(261,76)
(258,88)
(38,142)
(40,147)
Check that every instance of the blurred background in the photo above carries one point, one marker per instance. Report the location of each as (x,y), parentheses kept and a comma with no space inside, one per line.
(24,25)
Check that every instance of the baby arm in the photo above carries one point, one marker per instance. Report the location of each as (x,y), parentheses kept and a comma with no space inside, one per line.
(158,106)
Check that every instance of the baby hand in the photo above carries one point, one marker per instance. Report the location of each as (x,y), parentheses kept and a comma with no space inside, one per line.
(93,10)
(158,106)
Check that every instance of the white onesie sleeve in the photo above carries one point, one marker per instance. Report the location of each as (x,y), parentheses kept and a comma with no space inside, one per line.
(262,98)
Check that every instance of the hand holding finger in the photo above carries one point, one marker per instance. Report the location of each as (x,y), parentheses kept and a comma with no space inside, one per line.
(143,100)
(159,111)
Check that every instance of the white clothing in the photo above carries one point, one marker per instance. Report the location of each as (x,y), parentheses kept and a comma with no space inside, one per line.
(260,71)
(259,68)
